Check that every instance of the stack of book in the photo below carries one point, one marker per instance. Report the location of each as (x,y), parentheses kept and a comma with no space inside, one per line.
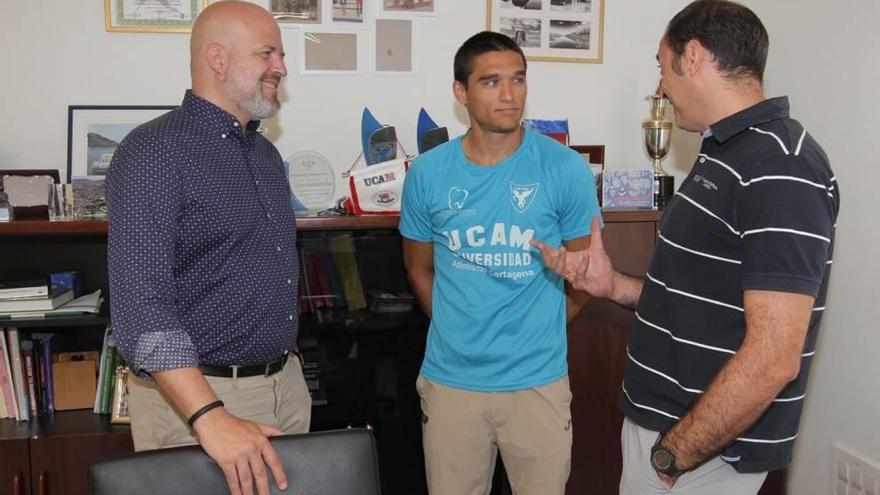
(31,297)
(329,278)
(26,377)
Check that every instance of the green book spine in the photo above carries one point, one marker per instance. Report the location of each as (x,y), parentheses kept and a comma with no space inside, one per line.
(109,376)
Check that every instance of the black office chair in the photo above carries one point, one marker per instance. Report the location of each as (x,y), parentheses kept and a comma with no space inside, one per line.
(339,462)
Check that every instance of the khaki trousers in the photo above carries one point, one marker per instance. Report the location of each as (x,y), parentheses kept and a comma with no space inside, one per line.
(715,477)
(463,431)
(281,400)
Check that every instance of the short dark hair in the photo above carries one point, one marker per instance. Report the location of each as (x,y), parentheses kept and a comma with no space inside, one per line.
(732,32)
(478,44)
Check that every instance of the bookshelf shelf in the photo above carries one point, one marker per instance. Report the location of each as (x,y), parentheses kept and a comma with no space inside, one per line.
(58,323)
(360,222)
(61,423)
(43,227)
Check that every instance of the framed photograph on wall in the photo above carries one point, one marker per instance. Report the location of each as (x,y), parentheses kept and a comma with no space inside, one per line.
(415,7)
(348,11)
(94,132)
(327,50)
(551,30)
(297,11)
(160,16)
(393,46)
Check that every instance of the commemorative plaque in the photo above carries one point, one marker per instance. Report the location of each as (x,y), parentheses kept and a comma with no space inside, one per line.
(312,179)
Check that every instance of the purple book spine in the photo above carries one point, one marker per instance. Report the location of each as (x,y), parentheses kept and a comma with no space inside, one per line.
(47,373)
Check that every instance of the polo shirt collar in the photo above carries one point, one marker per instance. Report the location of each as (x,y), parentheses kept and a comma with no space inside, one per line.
(213,119)
(765,111)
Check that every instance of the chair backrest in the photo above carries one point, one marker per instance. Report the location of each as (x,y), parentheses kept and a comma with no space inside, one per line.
(321,463)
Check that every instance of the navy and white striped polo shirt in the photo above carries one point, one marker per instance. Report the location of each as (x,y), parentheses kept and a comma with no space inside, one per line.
(758,211)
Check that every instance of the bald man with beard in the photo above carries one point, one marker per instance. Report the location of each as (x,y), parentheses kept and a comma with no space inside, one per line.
(203,263)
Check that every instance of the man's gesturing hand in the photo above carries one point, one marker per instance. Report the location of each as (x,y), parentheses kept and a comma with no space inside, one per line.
(242,450)
(589,270)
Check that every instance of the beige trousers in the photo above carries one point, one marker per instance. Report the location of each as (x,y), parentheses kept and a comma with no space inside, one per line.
(281,400)
(715,477)
(463,431)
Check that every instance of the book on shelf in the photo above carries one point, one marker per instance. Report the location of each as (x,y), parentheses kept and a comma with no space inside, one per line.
(333,279)
(23,289)
(306,306)
(110,359)
(317,280)
(27,357)
(114,359)
(9,407)
(18,380)
(4,413)
(83,305)
(54,299)
(342,250)
(102,368)
(39,386)
(47,392)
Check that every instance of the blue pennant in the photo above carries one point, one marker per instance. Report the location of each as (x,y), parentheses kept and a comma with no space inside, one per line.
(369,125)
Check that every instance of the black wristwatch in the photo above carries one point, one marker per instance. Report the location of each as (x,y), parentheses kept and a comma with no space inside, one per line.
(663,461)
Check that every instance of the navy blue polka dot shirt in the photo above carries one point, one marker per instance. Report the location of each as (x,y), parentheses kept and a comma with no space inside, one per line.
(202,243)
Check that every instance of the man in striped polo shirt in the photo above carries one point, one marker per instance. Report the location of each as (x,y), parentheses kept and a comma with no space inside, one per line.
(727,317)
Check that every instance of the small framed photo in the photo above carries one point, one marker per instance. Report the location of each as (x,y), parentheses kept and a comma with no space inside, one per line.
(325,50)
(297,11)
(94,132)
(393,46)
(348,11)
(119,410)
(160,16)
(594,156)
(413,7)
(551,30)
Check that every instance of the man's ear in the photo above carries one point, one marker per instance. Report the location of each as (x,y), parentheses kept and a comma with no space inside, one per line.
(695,57)
(460,92)
(216,57)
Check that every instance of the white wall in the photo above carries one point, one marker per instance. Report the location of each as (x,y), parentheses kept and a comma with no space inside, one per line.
(826,58)
(56,53)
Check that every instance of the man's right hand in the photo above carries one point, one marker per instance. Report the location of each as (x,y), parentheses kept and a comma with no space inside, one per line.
(589,270)
(242,450)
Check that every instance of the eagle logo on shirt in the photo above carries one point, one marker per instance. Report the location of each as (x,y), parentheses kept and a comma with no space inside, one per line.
(523,195)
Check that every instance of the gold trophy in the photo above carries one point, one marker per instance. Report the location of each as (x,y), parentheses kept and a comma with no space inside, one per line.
(658,130)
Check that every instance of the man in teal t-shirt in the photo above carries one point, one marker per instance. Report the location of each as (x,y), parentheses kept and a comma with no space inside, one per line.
(494,375)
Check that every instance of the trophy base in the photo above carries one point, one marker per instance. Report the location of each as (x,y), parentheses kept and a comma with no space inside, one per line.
(664,188)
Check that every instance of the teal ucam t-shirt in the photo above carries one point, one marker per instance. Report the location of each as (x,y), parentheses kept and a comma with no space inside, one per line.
(498,313)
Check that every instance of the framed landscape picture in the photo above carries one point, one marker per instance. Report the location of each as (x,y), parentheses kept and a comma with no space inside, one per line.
(94,132)
(551,30)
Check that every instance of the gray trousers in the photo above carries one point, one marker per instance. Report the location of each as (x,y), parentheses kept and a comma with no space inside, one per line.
(714,477)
